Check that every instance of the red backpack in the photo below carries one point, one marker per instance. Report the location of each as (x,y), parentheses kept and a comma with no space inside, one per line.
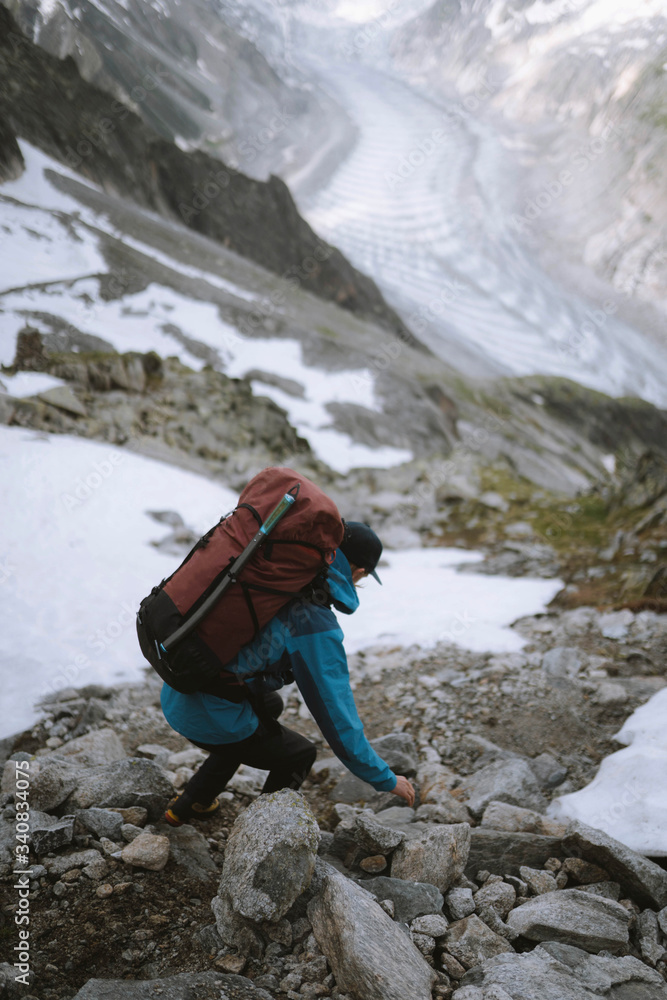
(299,548)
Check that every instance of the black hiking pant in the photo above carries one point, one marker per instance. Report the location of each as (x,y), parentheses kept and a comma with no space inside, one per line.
(286,755)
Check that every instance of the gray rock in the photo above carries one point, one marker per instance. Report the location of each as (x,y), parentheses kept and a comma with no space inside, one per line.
(184,986)
(499,896)
(648,933)
(611,890)
(161,755)
(269,859)
(460,903)
(514,819)
(511,780)
(398,750)
(410,899)
(397,817)
(576,918)
(131,782)
(447,810)
(190,849)
(423,942)
(210,940)
(470,941)
(373,836)
(555,971)
(96,870)
(148,850)
(51,781)
(433,924)
(438,856)
(537,880)
(7,841)
(101,822)
(353,790)
(375,964)
(58,866)
(641,879)
(9,987)
(101,746)
(548,771)
(136,815)
(48,833)
(615,624)
(563,661)
(503,853)
(129,832)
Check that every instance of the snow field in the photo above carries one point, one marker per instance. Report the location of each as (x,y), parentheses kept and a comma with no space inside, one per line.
(76,559)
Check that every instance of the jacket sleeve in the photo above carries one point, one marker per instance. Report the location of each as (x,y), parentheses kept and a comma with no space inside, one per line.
(320,670)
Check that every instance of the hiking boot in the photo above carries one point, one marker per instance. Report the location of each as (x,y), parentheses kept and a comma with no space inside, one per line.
(181,809)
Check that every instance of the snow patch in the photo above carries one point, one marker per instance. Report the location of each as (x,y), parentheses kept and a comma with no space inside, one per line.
(627,799)
(76,558)
(424,599)
(28,384)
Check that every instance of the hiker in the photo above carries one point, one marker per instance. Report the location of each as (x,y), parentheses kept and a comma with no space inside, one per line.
(304,643)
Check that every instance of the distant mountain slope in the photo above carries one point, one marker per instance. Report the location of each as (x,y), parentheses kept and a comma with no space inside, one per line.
(46,101)
(583,87)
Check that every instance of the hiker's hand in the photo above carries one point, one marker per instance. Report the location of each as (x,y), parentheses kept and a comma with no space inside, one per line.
(404,789)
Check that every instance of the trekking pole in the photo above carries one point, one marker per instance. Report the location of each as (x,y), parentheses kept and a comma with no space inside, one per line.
(232,573)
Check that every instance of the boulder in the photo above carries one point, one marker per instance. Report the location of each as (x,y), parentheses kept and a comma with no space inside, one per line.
(648,935)
(434,781)
(433,924)
(563,661)
(269,859)
(101,746)
(410,899)
(352,790)
(555,971)
(398,750)
(148,850)
(101,822)
(514,819)
(80,859)
(190,849)
(373,836)
(48,833)
(511,780)
(438,856)
(51,781)
(136,815)
(134,781)
(503,853)
(184,986)
(643,880)
(460,903)
(548,771)
(499,896)
(538,881)
(370,956)
(470,941)
(577,918)
(448,810)
(583,872)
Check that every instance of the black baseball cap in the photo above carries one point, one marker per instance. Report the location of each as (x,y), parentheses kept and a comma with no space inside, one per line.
(361,546)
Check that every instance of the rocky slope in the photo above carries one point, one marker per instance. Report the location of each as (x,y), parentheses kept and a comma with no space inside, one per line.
(115,890)
(193,73)
(107,143)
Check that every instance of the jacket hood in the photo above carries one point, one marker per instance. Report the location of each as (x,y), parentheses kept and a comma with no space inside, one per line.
(343,591)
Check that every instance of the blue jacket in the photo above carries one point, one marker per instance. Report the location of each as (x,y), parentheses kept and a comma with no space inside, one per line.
(305,640)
